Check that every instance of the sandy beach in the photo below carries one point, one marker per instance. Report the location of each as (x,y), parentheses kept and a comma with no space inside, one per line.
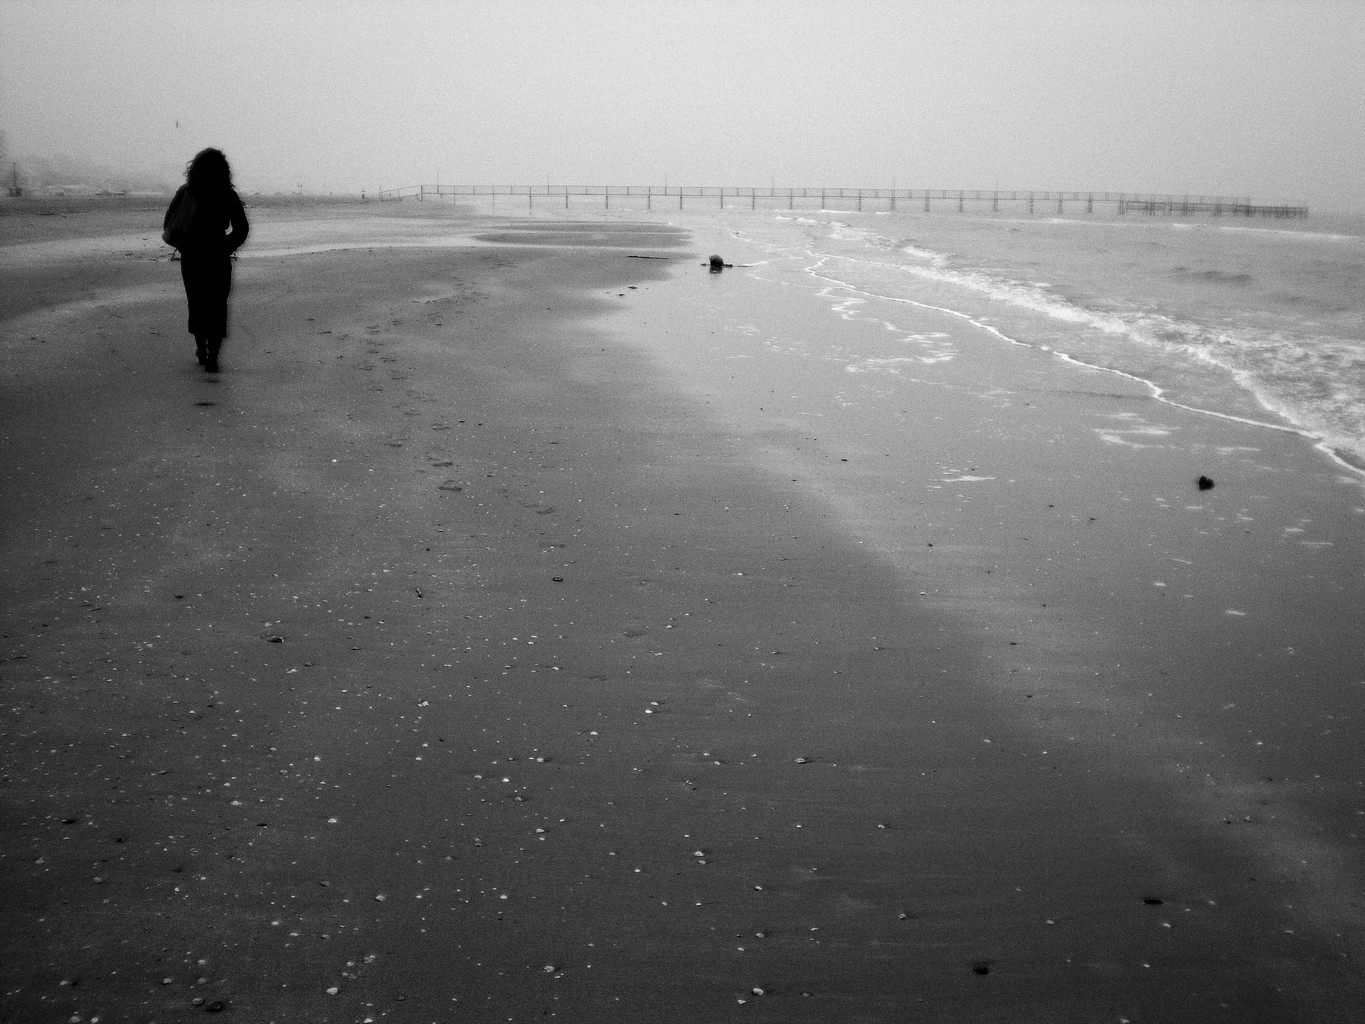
(523,626)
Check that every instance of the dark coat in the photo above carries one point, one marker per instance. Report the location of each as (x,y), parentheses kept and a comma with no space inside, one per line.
(218,229)
(219,226)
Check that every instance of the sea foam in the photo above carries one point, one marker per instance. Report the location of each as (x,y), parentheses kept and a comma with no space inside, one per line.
(1258,325)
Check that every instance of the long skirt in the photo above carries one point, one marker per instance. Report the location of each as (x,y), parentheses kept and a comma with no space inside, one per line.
(208,282)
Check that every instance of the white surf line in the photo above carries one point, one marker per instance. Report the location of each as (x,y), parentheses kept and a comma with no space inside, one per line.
(1157,392)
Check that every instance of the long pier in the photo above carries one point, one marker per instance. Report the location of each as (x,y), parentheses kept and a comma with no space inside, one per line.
(996,200)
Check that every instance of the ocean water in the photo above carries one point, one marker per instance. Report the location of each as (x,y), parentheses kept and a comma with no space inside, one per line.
(1258,320)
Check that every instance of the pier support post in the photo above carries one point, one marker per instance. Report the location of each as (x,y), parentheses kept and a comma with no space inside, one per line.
(959,203)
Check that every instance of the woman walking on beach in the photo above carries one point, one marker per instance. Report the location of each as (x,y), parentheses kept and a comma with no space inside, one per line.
(207,223)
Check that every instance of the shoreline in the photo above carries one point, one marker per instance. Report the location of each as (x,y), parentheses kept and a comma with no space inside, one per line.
(996,290)
(500,636)
(1297,582)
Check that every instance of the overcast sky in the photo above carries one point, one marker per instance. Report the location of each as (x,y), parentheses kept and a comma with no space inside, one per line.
(1233,97)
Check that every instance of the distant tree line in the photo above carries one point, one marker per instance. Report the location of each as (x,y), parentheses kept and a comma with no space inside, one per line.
(63,173)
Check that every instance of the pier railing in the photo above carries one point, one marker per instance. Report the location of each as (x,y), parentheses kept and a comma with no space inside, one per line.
(1014,200)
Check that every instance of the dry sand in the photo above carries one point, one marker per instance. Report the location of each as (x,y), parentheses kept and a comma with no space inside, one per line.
(459,654)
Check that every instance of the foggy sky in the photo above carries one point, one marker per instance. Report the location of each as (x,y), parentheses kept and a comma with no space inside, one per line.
(1241,97)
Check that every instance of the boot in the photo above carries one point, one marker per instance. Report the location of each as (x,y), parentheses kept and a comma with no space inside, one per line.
(211,362)
(201,351)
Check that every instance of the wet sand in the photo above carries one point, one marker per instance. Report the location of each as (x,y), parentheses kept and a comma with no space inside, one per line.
(493,641)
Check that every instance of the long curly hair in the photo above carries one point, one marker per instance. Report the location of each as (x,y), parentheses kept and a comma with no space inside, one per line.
(208,172)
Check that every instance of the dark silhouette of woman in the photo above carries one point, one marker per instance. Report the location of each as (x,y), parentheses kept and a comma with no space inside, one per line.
(217,227)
